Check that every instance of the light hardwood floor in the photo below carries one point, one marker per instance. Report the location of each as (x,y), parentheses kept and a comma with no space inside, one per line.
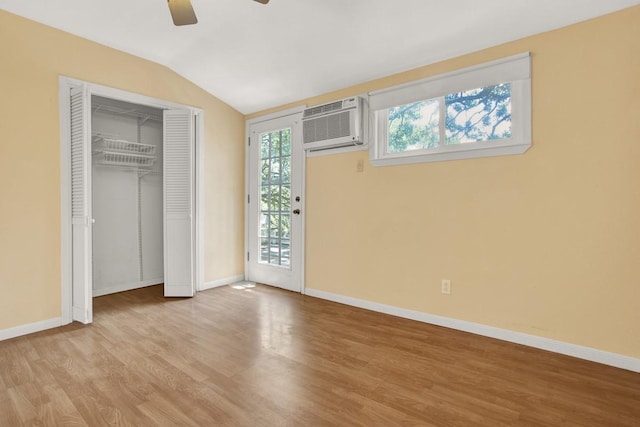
(267,357)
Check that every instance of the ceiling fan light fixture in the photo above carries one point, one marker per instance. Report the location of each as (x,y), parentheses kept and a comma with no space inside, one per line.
(182,12)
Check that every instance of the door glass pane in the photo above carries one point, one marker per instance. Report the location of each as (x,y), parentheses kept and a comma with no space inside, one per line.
(264,199)
(286,197)
(285,226)
(264,225)
(285,255)
(264,251)
(274,227)
(275,171)
(286,146)
(265,170)
(275,203)
(286,169)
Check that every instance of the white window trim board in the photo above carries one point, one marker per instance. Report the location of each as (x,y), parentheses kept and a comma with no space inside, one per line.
(512,68)
(515,70)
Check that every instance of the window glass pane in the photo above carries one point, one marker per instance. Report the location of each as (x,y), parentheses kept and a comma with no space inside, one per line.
(414,126)
(481,114)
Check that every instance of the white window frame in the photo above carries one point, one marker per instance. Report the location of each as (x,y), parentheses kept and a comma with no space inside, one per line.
(515,70)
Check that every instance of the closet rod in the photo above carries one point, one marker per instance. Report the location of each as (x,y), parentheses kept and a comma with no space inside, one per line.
(127,112)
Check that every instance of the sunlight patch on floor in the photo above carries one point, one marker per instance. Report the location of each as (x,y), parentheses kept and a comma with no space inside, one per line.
(244,285)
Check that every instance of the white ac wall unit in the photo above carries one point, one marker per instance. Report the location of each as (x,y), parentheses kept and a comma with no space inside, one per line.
(333,125)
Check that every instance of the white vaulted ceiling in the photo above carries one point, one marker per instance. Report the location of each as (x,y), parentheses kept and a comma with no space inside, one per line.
(255,56)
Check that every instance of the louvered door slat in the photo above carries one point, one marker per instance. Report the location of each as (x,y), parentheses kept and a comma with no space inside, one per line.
(178,203)
(77,155)
(80,208)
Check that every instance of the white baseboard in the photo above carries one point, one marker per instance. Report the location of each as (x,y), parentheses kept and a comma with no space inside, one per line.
(126,287)
(31,328)
(221,282)
(587,353)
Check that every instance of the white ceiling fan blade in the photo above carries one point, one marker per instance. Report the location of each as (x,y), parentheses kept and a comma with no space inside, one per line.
(182,12)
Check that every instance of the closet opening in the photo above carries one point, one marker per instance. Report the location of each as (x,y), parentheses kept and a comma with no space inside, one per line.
(127,195)
(131,195)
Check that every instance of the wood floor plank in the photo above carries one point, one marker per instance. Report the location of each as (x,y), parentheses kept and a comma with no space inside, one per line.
(8,415)
(97,408)
(268,357)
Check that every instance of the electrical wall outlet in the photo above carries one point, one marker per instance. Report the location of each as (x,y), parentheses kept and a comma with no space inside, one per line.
(446,286)
(360,166)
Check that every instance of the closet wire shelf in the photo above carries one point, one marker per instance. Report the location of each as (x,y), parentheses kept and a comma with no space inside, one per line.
(113,151)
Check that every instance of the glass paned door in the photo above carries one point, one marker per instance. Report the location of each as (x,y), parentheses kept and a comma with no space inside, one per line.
(275,197)
(275,202)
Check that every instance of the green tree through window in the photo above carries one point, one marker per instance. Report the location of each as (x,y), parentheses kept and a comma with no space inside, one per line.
(275,197)
(414,126)
(482,114)
(475,115)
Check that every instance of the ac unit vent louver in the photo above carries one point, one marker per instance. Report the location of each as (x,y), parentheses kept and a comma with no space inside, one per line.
(333,125)
(322,109)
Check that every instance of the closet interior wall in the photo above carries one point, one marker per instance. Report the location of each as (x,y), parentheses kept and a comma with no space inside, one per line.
(126,196)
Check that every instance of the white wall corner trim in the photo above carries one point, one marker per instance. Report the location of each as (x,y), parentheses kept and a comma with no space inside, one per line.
(221,282)
(581,352)
(31,328)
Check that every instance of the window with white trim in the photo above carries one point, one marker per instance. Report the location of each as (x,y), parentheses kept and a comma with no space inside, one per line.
(479,111)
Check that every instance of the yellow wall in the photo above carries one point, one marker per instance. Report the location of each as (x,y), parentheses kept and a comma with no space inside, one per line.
(546,243)
(32,56)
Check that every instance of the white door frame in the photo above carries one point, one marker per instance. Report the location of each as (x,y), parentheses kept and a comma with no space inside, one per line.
(247,184)
(65,83)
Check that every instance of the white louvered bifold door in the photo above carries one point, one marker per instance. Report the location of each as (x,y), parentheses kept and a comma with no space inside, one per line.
(80,205)
(178,170)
